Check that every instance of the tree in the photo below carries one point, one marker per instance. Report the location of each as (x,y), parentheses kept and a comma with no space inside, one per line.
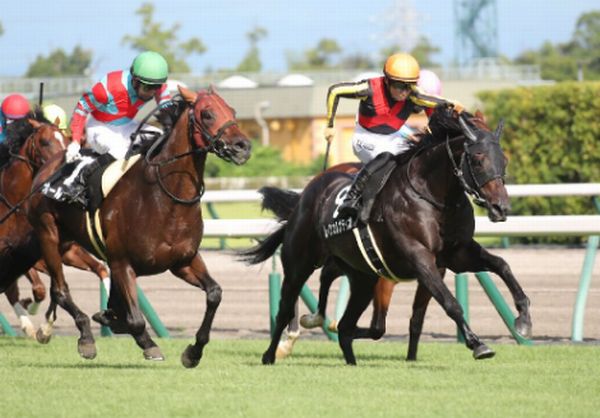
(251,62)
(1,29)
(561,61)
(318,58)
(357,61)
(59,64)
(163,41)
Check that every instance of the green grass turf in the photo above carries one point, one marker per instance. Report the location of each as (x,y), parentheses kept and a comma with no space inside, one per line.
(52,381)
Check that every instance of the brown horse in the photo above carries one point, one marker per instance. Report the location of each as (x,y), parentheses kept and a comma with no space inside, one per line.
(421,225)
(151,221)
(32,141)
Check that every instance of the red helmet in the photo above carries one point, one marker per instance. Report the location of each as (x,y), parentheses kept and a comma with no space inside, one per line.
(15,106)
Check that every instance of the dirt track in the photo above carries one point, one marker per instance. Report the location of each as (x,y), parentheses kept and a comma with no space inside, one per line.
(549,276)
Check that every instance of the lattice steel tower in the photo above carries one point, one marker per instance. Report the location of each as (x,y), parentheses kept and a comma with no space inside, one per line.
(476,33)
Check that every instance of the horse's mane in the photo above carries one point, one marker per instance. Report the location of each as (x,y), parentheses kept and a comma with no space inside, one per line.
(442,123)
(18,131)
(168,115)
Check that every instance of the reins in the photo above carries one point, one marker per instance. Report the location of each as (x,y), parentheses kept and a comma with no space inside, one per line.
(215,144)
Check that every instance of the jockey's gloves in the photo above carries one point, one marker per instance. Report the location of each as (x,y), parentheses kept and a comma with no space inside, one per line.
(72,153)
(330,134)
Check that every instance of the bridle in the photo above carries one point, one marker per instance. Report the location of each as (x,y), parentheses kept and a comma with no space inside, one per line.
(198,132)
(472,183)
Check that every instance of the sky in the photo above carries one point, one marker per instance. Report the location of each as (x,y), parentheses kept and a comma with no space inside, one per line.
(40,26)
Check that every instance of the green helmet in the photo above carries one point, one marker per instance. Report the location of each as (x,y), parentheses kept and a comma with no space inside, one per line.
(150,68)
(53,112)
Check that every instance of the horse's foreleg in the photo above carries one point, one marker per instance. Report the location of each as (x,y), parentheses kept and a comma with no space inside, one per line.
(329,273)
(429,277)
(420,303)
(124,314)
(473,257)
(79,258)
(59,290)
(12,294)
(197,275)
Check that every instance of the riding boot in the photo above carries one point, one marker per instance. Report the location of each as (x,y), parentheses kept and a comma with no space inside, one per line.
(352,201)
(74,186)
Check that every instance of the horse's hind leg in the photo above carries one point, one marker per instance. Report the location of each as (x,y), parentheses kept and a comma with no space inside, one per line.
(419,308)
(197,275)
(361,294)
(37,289)
(473,257)
(78,258)
(59,290)
(329,273)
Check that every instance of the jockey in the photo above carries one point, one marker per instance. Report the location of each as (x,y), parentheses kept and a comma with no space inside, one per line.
(385,105)
(108,109)
(14,107)
(56,114)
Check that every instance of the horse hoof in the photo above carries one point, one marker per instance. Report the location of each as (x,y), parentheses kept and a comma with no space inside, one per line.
(42,337)
(310,321)
(153,353)
(333,326)
(268,358)
(523,328)
(87,350)
(188,358)
(483,352)
(29,331)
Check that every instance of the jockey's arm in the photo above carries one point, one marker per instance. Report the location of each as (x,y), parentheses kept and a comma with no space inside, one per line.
(89,101)
(429,101)
(358,90)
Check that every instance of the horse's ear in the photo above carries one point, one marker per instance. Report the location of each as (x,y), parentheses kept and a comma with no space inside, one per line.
(499,130)
(187,94)
(34,123)
(467,130)
(212,89)
(57,121)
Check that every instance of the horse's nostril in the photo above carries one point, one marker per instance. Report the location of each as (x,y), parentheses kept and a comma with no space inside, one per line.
(242,145)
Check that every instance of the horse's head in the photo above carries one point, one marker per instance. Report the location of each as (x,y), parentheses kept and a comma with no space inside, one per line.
(484,166)
(37,141)
(214,127)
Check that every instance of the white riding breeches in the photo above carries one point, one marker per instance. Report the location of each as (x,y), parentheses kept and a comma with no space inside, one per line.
(368,145)
(113,139)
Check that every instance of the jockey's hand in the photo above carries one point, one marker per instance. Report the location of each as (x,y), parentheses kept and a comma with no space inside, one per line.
(330,134)
(458,107)
(72,153)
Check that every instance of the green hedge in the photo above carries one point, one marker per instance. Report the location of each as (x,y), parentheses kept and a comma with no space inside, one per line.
(551,135)
(265,161)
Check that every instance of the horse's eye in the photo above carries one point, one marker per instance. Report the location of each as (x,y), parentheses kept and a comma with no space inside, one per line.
(206,115)
(44,142)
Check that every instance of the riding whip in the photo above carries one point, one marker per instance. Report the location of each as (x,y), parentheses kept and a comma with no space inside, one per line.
(326,155)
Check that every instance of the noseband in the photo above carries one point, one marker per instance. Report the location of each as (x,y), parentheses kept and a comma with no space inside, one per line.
(215,143)
(475,180)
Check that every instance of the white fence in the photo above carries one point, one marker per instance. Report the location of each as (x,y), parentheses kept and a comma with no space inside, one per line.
(573,225)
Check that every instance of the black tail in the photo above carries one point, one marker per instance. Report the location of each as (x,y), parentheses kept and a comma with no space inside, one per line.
(282,203)
(17,258)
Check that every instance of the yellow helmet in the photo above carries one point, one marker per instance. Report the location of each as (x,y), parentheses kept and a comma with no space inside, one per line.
(53,112)
(402,67)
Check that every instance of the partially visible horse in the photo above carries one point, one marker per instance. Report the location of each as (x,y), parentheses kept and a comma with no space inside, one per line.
(32,141)
(422,224)
(150,222)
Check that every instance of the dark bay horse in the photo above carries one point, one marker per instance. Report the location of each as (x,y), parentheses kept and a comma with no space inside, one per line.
(422,223)
(150,222)
(32,141)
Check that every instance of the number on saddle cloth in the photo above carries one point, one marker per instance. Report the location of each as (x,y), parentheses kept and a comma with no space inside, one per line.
(79,182)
